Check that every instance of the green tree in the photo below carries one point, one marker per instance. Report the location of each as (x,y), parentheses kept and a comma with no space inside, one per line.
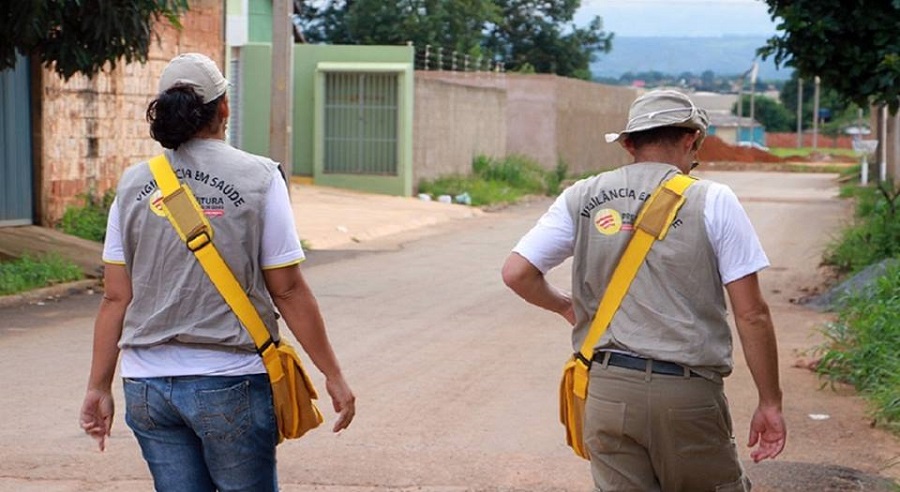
(82,36)
(768,112)
(451,25)
(519,32)
(852,46)
(542,34)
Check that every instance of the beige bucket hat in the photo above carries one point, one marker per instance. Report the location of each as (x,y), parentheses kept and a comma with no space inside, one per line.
(663,107)
(197,71)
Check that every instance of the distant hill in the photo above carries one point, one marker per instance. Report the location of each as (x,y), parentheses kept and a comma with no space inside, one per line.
(726,55)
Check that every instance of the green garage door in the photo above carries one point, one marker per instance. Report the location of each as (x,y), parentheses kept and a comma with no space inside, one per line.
(15,146)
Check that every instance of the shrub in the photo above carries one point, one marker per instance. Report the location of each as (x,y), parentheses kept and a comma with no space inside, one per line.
(874,235)
(88,221)
(862,345)
(495,181)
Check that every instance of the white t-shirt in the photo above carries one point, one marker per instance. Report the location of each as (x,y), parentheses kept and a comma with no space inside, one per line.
(280,247)
(738,250)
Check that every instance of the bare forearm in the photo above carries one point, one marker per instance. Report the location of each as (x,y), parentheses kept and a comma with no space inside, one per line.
(107,330)
(542,294)
(302,316)
(757,334)
(529,284)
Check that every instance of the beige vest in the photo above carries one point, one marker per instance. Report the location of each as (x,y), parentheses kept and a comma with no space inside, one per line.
(675,308)
(173,299)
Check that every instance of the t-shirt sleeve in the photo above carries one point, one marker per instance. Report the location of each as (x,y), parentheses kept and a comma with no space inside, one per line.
(552,240)
(732,236)
(280,246)
(112,244)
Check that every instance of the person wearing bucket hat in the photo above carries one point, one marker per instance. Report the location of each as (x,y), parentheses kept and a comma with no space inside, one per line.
(656,415)
(197,394)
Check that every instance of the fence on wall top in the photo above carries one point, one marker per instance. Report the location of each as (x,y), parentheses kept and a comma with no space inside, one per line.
(437,58)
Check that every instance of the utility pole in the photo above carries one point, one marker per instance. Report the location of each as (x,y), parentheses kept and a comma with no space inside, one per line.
(740,109)
(753,73)
(799,112)
(282,107)
(815,142)
(882,142)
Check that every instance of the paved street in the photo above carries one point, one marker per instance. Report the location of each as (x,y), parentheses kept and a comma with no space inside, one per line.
(456,378)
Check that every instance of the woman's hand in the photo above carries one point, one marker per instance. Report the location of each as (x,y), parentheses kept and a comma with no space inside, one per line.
(343,400)
(97,415)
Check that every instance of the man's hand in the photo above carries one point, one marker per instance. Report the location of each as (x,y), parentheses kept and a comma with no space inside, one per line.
(767,428)
(343,400)
(97,415)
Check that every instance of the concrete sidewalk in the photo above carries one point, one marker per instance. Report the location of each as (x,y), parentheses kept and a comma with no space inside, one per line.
(332,218)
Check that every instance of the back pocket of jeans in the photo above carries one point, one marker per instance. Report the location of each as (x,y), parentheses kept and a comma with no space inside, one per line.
(224,413)
(137,408)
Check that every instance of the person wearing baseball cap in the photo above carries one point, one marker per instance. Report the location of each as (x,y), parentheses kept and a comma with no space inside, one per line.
(197,394)
(656,415)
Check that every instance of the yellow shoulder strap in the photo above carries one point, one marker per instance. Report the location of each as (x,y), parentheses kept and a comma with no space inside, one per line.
(652,223)
(188,219)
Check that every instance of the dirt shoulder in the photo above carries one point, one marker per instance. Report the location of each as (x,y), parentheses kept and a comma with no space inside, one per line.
(832,443)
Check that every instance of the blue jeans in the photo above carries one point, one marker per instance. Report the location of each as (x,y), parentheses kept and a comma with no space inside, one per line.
(205,433)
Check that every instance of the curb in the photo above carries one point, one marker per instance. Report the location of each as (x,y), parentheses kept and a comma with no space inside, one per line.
(61,290)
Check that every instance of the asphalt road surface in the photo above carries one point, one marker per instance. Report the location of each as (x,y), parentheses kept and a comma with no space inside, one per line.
(456,378)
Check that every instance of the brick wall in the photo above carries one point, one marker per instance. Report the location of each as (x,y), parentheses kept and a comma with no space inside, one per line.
(90,130)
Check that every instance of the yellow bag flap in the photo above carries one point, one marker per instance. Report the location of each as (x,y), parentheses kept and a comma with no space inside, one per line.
(571,408)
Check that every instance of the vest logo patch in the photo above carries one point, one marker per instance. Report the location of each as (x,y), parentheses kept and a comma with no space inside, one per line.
(608,221)
(212,206)
(156,203)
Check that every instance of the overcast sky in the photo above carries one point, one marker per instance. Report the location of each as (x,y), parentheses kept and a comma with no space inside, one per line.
(679,17)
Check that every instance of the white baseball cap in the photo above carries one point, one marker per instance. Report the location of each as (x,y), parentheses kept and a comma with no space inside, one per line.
(197,71)
(660,108)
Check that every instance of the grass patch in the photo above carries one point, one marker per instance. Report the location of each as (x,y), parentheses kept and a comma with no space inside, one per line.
(805,152)
(841,169)
(30,272)
(499,181)
(862,346)
(88,221)
(874,234)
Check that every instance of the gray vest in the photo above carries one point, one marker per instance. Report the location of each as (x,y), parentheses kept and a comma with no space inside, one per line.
(173,299)
(675,308)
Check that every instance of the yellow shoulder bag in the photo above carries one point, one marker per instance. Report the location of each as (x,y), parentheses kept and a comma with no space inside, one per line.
(292,391)
(652,224)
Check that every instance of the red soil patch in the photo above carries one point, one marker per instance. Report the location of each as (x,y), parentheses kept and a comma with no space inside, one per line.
(715,150)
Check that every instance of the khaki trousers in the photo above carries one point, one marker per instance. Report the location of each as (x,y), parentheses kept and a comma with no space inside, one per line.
(651,432)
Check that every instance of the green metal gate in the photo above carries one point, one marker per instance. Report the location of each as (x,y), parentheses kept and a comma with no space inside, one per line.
(16,206)
(361,123)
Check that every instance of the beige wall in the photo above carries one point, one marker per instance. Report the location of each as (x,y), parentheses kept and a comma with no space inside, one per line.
(585,113)
(531,117)
(549,118)
(88,130)
(452,124)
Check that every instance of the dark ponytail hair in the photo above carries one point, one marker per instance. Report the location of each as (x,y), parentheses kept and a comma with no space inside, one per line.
(178,114)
